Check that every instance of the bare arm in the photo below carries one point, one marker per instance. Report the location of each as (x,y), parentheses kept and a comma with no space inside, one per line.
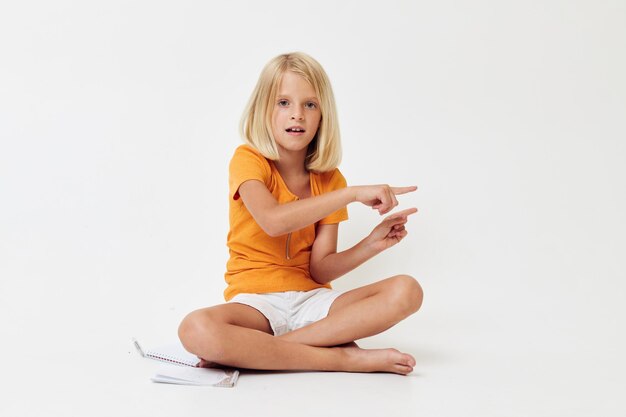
(279,219)
(327,265)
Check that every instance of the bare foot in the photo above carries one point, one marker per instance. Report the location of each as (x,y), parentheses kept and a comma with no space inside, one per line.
(377,360)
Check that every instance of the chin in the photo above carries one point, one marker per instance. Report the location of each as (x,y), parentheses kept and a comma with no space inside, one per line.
(295,145)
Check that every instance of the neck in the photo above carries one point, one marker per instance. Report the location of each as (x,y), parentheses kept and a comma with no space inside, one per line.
(291,164)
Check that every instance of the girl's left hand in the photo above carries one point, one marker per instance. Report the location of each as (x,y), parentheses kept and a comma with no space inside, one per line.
(390,231)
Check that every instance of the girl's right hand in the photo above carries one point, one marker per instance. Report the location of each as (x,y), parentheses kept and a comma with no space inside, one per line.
(380,197)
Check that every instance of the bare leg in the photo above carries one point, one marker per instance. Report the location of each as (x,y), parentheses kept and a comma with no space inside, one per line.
(362,312)
(217,334)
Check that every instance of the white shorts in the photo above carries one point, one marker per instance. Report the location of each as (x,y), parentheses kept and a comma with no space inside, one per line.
(290,310)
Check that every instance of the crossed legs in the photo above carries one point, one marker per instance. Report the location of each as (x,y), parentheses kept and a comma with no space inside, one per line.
(240,336)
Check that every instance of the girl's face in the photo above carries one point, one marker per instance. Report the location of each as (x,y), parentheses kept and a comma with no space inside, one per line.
(296,113)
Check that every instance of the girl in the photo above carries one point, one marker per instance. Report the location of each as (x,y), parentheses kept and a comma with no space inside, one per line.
(286,200)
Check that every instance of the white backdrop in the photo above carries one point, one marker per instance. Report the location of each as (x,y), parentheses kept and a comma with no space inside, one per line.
(118,119)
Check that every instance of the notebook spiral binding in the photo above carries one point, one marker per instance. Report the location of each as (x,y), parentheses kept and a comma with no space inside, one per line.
(168,359)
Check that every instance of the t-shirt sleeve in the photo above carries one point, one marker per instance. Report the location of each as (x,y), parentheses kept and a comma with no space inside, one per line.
(245,165)
(336,181)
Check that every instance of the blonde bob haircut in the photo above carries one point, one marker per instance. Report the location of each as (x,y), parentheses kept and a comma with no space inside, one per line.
(324,152)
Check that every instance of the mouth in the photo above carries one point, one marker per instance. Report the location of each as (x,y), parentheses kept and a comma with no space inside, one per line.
(294,129)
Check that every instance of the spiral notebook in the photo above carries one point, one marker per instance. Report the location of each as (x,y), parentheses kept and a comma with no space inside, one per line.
(182,368)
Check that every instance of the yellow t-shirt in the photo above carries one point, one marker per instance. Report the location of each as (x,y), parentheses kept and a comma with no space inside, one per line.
(258,262)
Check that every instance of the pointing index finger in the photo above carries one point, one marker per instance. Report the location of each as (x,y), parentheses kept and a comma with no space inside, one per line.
(403,190)
(403,213)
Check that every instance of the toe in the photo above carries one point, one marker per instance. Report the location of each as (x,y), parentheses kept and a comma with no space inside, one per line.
(403,369)
(407,360)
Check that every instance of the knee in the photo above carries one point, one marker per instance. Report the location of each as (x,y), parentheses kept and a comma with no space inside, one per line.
(199,333)
(406,294)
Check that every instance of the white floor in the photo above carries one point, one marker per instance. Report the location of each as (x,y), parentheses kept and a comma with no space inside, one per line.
(475,359)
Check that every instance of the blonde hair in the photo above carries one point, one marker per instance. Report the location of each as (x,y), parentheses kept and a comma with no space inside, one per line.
(324,153)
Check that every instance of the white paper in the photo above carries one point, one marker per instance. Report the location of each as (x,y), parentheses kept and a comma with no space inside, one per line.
(184,375)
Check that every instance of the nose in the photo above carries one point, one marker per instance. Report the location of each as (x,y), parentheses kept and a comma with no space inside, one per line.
(297,116)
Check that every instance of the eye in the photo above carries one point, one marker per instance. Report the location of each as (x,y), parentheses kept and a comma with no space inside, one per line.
(282,102)
(311,105)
